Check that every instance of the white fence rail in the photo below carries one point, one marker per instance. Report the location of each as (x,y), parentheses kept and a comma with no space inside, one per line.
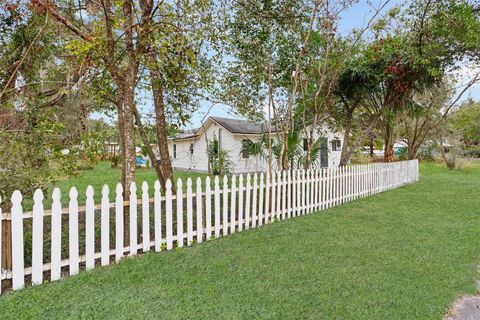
(60,242)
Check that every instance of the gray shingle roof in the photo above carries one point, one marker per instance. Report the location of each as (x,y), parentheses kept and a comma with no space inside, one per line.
(232,125)
(241,126)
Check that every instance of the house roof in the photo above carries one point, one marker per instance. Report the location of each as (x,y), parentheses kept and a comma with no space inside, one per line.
(235,126)
(240,126)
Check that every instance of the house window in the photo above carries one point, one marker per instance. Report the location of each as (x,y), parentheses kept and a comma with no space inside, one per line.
(336,144)
(305,144)
(245,146)
(191,148)
(174,151)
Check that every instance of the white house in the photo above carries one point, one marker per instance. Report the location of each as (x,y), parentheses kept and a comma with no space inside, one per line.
(188,150)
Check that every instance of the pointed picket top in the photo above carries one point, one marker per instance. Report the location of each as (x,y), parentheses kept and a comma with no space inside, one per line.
(144,187)
(234,180)
(255,176)
(261,176)
(273,177)
(37,196)
(73,194)
(105,190)
(17,198)
(56,199)
(248,178)
(225,181)
(156,186)
(199,183)
(118,190)
(133,187)
(207,181)
(240,179)
(89,193)
(179,184)
(217,181)
(189,183)
(168,184)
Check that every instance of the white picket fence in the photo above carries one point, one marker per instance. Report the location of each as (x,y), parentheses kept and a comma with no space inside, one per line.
(201,214)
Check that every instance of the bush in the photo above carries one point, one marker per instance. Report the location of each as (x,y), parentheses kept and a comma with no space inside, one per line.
(454,160)
(115,161)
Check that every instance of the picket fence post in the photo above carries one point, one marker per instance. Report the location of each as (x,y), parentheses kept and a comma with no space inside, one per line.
(37,238)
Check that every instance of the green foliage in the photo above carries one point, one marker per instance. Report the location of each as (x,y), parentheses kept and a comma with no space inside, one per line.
(466,122)
(218,159)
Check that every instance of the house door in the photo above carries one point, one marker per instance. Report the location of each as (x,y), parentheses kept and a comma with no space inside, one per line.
(324,152)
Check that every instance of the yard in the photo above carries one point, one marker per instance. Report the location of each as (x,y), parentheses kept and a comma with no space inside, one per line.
(403,254)
(103,174)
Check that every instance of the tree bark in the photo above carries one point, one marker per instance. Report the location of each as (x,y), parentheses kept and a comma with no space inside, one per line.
(151,154)
(161,123)
(346,137)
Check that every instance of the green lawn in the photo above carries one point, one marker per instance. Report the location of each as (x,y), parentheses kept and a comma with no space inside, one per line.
(103,174)
(403,254)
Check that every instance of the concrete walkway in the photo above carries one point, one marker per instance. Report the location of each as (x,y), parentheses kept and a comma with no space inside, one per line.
(466,308)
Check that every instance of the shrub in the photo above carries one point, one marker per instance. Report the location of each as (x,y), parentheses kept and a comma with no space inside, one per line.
(115,161)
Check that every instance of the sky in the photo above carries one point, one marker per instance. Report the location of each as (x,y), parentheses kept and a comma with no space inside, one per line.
(356,16)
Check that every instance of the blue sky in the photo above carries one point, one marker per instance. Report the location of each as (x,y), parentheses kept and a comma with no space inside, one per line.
(357,16)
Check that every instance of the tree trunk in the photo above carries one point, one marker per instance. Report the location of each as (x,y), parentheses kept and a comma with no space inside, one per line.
(412,151)
(348,127)
(389,142)
(388,149)
(121,134)
(129,134)
(161,123)
(151,154)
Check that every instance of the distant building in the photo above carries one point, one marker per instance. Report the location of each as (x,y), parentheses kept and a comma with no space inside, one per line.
(188,150)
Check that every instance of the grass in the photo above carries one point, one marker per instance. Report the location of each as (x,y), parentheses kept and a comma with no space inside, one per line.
(403,254)
(103,174)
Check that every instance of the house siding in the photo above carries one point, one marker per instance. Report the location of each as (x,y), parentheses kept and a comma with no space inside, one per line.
(232,143)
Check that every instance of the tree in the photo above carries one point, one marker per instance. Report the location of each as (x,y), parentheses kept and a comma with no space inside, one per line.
(433,37)
(466,122)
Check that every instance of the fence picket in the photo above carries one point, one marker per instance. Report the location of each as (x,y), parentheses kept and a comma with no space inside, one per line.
(273,196)
(307,191)
(304,194)
(217,207)
(240,202)
(260,200)
(248,190)
(73,232)
(37,238)
(294,193)
(189,212)
(90,229)
(118,223)
(289,194)
(18,277)
(157,218)
(233,206)
(105,227)
(133,219)
(268,188)
(254,200)
(179,213)
(56,245)
(145,218)
(208,209)
(199,210)
(284,195)
(225,205)
(168,215)
(278,209)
